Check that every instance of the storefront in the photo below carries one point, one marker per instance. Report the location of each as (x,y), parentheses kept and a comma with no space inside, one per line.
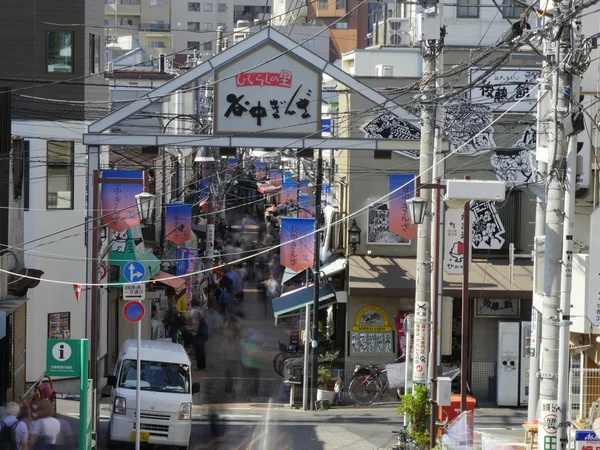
(382,289)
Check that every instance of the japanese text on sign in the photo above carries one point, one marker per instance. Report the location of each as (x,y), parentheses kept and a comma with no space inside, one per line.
(281,79)
(504,89)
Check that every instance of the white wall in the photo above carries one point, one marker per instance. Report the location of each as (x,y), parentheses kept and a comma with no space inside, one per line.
(63,256)
(406,62)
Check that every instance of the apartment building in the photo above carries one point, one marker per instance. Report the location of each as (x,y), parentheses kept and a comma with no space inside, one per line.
(147,20)
(46,58)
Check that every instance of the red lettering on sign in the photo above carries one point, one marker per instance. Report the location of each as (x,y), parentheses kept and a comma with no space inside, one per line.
(248,79)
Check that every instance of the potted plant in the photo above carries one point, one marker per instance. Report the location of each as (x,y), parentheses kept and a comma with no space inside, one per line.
(325,383)
(416,406)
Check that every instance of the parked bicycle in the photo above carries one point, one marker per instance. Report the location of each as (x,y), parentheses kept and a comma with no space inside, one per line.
(368,383)
(286,352)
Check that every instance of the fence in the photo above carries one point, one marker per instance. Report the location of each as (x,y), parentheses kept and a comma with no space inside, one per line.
(584,389)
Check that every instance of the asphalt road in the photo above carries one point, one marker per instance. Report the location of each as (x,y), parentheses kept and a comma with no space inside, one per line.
(261,426)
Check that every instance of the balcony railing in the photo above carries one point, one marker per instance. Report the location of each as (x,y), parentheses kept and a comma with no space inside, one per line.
(155,26)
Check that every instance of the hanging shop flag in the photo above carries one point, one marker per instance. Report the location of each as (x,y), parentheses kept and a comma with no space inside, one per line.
(298,243)
(289,192)
(203,192)
(186,264)
(260,170)
(77,289)
(178,223)
(119,208)
(304,187)
(307,210)
(454,245)
(403,188)
(232,164)
(275,177)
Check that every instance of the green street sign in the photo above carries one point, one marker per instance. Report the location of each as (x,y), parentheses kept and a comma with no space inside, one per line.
(63,357)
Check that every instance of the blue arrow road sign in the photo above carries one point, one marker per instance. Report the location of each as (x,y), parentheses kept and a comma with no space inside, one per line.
(134,271)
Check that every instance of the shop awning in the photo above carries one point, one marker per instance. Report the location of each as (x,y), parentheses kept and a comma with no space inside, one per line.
(337,263)
(395,277)
(167,279)
(295,300)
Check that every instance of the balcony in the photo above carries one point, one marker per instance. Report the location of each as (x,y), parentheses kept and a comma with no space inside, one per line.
(123,10)
(155,27)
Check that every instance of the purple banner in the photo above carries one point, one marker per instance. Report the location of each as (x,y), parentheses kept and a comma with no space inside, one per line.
(275,177)
(298,239)
(399,216)
(289,192)
(260,170)
(306,209)
(203,192)
(119,208)
(178,223)
(186,264)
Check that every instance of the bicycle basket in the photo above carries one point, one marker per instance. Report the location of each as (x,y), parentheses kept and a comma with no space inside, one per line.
(396,374)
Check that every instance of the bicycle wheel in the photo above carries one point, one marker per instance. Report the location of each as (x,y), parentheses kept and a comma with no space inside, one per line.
(363,389)
(279,361)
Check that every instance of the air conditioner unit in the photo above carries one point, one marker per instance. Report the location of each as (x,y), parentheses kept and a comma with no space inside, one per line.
(398,32)
(383,70)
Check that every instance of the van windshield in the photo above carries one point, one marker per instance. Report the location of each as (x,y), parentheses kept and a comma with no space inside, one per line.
(156,376)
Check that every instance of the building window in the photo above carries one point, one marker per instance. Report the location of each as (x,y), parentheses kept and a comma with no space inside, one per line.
(60,174)
(207,47)
(221,7)
(382,154)
(109,2)
(159,3)
(322,4)
(109,22)
(194,7)
(208,7)
(340,4)
(208,26)
(156,44)
(468,9)
(511,10)
(60,51)
(193,26)
(94,56)
(341,25)
(193,45)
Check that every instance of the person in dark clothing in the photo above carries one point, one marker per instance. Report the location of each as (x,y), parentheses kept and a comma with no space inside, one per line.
(174,321)
(200,342)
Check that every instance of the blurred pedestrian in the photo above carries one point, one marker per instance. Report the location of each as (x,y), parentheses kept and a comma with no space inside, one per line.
(231,355)
(250,366)
(46,429)
(200,340)
(13,433)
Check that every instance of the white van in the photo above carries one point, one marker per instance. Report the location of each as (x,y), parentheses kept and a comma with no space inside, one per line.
(166,391)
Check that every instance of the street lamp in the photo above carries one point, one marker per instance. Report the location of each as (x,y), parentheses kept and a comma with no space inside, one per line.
(145,204)
(354,236)
(417,209)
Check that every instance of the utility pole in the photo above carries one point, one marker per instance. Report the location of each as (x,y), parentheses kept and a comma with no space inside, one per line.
(549,426)
(429,46)
(542,143)
(317,269)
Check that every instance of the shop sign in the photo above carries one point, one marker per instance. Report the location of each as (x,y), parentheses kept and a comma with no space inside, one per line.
(513,90)
(372,318)
(281,96)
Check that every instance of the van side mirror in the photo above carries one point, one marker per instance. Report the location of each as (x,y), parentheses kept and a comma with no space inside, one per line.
(112,380)
(195,388)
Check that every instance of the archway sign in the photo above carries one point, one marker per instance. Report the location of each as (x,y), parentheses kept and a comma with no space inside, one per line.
(267,95)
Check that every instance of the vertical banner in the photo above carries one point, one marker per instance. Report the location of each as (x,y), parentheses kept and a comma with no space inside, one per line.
(204,192)
(289,192)
(304,187)
(306,209)
(275,177)
(260,170)
(178,223)
(454,249)
(186,264)
(232,164)
(298,243)
(400,223)
(119,208)
(401,335)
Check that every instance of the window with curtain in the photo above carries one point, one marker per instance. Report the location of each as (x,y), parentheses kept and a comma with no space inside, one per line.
(94,56)
(221,7)
(60,169)
(193,6)
(208,7)
(468,9)
(207,47)
(60,52)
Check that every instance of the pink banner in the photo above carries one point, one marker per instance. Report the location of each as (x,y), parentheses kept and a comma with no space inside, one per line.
(119,207)
(298,239)
(400,223)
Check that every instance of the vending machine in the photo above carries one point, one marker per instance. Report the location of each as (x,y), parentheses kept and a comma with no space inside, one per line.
(513,363)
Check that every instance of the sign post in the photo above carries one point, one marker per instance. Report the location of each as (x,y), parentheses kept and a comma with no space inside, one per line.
(69,358)
(134,312)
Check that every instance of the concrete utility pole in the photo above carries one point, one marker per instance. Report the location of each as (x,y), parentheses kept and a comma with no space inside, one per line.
(316,278)
(542,143)
(548,434)
(429,45)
